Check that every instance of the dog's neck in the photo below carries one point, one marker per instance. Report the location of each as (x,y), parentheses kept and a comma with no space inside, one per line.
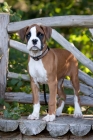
(39,54)
(33,54)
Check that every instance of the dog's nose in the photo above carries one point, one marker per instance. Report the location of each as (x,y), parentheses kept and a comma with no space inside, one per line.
(34,41)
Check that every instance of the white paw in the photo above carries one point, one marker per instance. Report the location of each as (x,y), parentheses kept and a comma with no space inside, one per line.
(49,118)
(33,116)
(77,115)
(77,111)
(60,109)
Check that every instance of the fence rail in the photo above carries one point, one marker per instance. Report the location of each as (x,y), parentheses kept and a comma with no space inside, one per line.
(59,21)
(22,97)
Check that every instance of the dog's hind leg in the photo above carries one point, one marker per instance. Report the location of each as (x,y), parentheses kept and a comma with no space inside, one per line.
(61,98)
(75,83)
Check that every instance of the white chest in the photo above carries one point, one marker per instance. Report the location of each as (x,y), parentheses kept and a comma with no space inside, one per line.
(37,71)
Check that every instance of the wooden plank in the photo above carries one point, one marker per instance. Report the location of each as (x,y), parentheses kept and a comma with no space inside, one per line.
(57,21)
(27,98)
(81,127)
(31,127)
(85,78)
(4,20)
(84,100)
(91,31)
(18,45)
(16,135)
(1,54)
(24,77)
(22,97)
(8,125)
(59,127)
(87,90)
(67,45)
(78,127)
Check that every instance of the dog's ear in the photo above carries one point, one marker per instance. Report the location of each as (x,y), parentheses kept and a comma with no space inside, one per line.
(47,31)
(22,33)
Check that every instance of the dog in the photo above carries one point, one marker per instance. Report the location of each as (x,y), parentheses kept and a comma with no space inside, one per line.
(49,66)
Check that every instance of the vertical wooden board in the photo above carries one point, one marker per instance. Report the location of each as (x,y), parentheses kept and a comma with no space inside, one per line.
(4,20)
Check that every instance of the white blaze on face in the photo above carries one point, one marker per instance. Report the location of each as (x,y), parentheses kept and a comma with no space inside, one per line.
(33,37)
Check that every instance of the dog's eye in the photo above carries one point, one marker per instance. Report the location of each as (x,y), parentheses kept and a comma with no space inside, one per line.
(40,35)
(28,36)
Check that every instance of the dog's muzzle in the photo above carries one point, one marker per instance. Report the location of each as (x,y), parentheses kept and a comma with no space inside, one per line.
(34,49)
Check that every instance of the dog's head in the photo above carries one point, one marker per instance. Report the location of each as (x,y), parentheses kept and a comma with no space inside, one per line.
(35,36)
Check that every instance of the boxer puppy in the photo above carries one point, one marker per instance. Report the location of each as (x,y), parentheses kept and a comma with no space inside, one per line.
(49,66)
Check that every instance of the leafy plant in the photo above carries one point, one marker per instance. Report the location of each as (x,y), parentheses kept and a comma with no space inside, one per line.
(14,110)
(14,16)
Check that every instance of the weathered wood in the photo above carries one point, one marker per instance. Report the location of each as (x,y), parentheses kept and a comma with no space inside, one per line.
(80,130)
(91,31)
(87,90)
(57,21)
(27,98)
(67,45)
(84,100)
(42,136)
(4,20)
(18,45)
(78,127)
(23,97)
(85,78)
(24,77)
(8,125)
(81,127)
(16,135)
(1,54)
(31,127)
(59,127)
(82,76)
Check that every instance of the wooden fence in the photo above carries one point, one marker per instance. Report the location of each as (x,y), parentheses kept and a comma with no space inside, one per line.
(86,84)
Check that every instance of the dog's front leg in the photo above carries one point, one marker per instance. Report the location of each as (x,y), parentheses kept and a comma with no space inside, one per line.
(36,104)
(52,101)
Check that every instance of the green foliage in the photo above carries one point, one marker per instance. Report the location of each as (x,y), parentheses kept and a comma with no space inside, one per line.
(15,110)
(14,16)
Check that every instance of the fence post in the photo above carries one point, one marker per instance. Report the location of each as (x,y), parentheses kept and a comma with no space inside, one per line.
(4,20)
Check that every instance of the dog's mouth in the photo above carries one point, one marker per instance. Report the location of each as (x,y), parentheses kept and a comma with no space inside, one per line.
(34,49)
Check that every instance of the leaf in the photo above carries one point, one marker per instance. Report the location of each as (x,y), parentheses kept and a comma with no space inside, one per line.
(1,101)
(7,105)
(14,81)
(20,83)
(16,109)
(16,116)
(6,113)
